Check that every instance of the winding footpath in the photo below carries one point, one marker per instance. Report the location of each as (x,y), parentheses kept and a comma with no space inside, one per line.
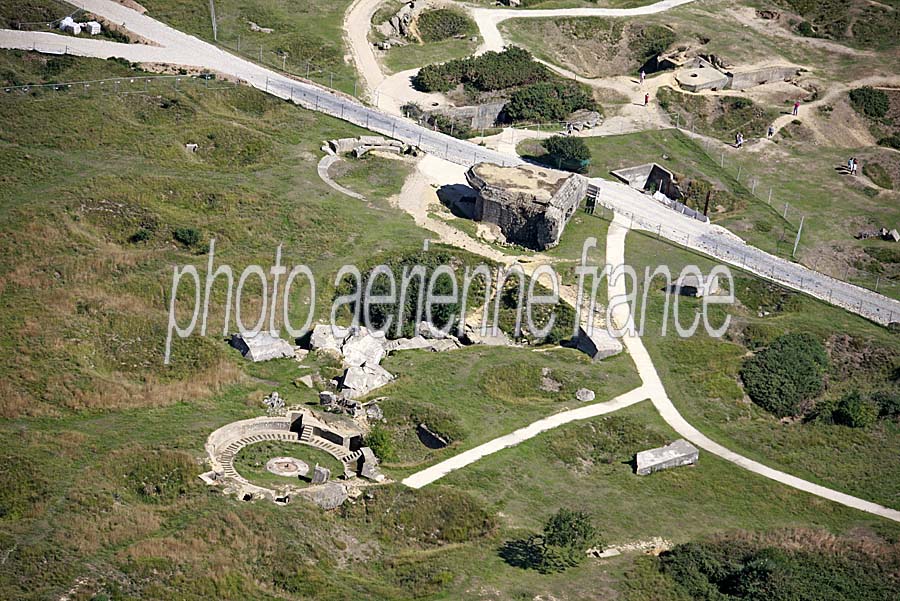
(631,208)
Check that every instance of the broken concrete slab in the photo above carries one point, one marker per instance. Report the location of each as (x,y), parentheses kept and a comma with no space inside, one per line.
(677,454)
(261,346)
(364,348)
(326,337)
(328,496)
(598,344)
(360,381)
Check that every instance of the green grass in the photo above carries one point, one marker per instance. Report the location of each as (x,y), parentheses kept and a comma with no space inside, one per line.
(250,462)
(415,55)
(372,176)
(307,33)
(701,377)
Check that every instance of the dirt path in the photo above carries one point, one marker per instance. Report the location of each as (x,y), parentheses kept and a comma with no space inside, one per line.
(357,24)
(488,19)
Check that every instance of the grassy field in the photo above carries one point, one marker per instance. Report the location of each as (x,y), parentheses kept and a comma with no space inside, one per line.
(303,35)
(372,176)
(102,443)
(250,462)
(414,55)
(701,376)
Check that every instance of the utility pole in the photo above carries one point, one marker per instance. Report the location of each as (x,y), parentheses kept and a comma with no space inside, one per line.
(799,231)
(212,16)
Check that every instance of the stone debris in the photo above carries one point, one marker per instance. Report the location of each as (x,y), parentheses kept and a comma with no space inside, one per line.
(274,404)
(399,24)
(363,348)
(374,412)
(261,347)
(530,204)
(306,380)
(677,454)
(488,337)
(585,395)
(598,344)
(583,119)
(320,474)
(365,144)
(258,29)
(360,381)
(548,384)
(329,496)
(328,338)
(883,233)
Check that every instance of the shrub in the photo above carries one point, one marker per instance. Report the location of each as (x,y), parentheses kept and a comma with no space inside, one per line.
(892,141)
(442,23)
(565,538)
(142,235)
(487,72)
(870,102)
(547,101)
(888,402)
(567,152)
(788,373)
(652,40)
(187,236)
(855,412)
(381,443)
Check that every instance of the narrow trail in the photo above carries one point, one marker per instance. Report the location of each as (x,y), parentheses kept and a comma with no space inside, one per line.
(652,384)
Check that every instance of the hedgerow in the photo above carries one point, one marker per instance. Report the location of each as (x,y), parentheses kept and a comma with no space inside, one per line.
(548,101)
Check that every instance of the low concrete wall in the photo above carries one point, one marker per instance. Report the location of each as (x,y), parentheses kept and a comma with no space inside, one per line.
(221,438)
(758,77)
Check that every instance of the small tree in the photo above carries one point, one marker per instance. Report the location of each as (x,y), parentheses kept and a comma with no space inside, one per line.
(566,537)
(855,412)
(567,152)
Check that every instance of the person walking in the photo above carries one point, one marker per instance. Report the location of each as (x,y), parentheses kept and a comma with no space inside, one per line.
(646,99)
(796,108)
(643,76)
(855,170)
(771,130)
(850,165)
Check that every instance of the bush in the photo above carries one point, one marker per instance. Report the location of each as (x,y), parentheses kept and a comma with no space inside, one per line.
(652,40)
(547,101)
(442,23)
(892,141)
(787,374)
(855,412)
(187,236)
(565,538)
(381,443)
(870,102)
(888,402)
(487,72)
(878,175)
(567,152)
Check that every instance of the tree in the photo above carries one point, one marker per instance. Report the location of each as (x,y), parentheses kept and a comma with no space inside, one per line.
(567,152)
(788,373)
(566,537)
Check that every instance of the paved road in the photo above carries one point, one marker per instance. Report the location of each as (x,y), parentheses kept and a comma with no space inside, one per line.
(653,386)
(175,47)
(437,471)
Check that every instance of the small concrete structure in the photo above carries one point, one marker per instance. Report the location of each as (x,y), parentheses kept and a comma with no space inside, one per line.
(91,27)
(69,25)
(365,144)
(677,454)
(691,285)
(583,119)
(530,204)
(320,474)
(598,344)
(701,78)
(649,177)
(261,347)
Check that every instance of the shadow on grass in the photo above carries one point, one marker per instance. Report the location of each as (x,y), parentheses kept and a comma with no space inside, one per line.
(521,553)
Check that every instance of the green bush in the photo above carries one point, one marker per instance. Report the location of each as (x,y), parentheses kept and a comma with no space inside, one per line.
(487,72)
(855,412)
(187,235)
(870,102)
(381,443)
(548,101)
(787,374)
(652,40)
(561,545)
(888,402)
(443,23)
(892,141)
(567,152)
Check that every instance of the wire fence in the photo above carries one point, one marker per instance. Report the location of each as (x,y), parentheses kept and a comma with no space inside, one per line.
(853,298)
(139,84)
(790,216)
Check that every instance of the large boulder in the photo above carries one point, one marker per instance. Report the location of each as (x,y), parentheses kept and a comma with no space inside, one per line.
(261,346)
(327,338)
(363,348)
(360,381)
